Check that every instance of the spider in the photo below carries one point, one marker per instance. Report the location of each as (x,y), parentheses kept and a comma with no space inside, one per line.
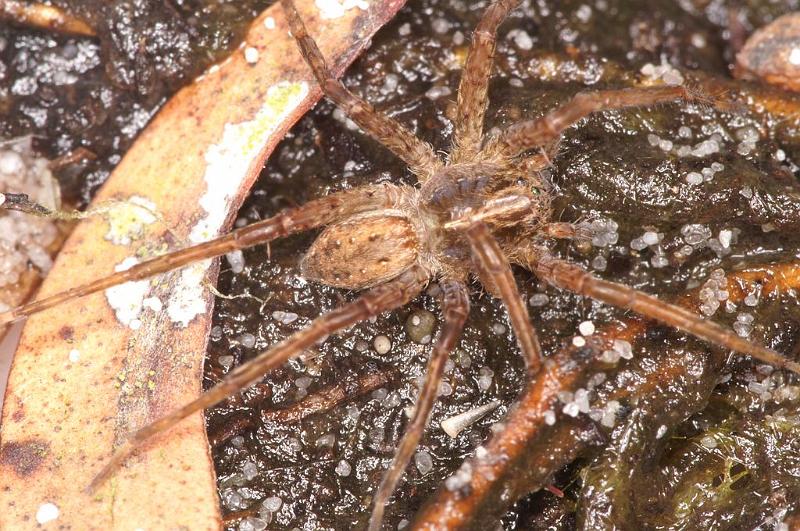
(471,216)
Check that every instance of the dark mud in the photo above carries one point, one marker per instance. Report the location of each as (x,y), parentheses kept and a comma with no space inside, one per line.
(98,93)
(325,468)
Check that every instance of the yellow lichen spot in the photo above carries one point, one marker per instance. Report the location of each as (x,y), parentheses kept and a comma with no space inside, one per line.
(128,219)
(280,98)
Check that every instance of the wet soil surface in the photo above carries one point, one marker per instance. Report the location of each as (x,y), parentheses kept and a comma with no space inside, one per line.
(690,189)
(639,169)
(98,93)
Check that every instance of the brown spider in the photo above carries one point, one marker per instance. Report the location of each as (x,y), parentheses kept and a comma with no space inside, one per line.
(471,216)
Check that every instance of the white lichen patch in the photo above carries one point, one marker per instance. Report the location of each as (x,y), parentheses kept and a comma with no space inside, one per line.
(330,9)
(186,300)
(153,303)
(127,299)
(228,161)
(227,164)
(127,219)
(47,512)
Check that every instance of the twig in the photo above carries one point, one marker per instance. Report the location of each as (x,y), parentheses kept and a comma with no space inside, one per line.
(329,397)
(41,16)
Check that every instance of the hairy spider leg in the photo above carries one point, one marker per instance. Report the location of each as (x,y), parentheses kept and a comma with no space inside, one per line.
(494,265)
(474,86)
(545,130)
(455,309)
(311,215)
(564,230)
(379,299)
(574,278)
(418,155)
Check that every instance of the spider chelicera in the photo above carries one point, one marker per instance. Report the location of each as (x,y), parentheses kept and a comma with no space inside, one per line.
(471,216)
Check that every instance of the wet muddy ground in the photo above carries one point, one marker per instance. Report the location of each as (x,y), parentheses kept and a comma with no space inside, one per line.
(621,166)
(694,193)
(98,93)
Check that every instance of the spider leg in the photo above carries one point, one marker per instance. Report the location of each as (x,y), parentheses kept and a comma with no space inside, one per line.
(474,86)
(455,309)
(313,214)
(563,230)
(542,131)
(574,278)
(417,154)
(494,267)
(385,297)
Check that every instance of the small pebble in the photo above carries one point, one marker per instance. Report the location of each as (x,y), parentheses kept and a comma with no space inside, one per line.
(650,238)
(247,340)
(327,440)
(694,178)
(293,445)
(361,346)
(226,362)
(236,261)
(599,263)
(380,394)
(343,468)
(382,344)
(423,461)
(252,523)
(272,504)
(250,470)
(709,442)
(419,326)
(499,329)
(538,299)
(284,317)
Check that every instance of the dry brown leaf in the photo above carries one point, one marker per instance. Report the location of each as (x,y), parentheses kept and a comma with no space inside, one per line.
(81,379)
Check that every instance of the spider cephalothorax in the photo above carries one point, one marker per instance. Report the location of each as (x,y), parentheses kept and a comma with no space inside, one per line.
(471,216)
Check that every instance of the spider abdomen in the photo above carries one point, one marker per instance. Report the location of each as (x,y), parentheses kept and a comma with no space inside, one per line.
(362,251)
